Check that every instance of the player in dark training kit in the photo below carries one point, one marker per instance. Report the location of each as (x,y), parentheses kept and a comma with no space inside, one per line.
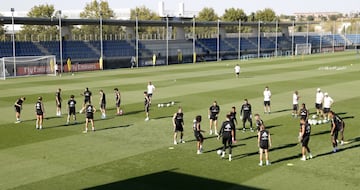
(264,143)
(178,123)
(233,119)
(71,109)
(227,133)
(89,111)
(39,111)
(337,124)
(102,103)
(117,101)
(304,137)
(246,114)
(197,133)
(213,113)
(58,102)
(87,98)
(146,105)
(304,113)
(18,108)
(258,122)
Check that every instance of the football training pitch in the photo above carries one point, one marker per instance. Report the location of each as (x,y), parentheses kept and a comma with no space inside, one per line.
(127,152)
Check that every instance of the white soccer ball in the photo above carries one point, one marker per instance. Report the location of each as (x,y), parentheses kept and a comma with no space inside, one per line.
(172,103)
(218,152)
(159,105)
(325,121)
(168,105)
(319,122)
(310,122)
(314,116)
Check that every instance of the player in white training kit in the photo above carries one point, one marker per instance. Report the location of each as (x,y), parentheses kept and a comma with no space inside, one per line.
(328,101)
(319,102)
(267,97)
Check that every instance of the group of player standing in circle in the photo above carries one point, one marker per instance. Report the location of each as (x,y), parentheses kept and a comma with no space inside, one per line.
(228,128)
(227,131)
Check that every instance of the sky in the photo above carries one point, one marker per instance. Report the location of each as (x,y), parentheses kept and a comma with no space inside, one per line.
(287,7)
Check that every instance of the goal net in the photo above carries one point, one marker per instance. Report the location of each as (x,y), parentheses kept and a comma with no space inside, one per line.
(27,66)
(303,49)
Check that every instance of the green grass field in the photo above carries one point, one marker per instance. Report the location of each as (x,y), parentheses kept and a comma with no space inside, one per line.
(128,153)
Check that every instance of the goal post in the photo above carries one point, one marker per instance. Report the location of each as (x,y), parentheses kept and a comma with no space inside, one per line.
(303,49)
(27,66)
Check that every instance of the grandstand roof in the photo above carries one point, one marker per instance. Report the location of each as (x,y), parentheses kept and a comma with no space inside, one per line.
(131,23)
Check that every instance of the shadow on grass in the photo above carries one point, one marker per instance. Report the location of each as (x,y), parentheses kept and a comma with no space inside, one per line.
(233,146)
(343,148)
(114,127)
(257,152)
(170,179)
(283,110)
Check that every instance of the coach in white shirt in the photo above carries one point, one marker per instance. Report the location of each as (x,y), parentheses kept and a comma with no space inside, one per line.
(267,96)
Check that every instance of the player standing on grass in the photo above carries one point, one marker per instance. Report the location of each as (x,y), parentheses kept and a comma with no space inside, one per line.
(58,102)
(237,70)
(267,98)
(258,122)
(90,110)
(117,101)
(227,133)
(213,113)
(295,104)
(304,137)
(233,119)
(39,111)
(246,115)
(146,105)
(304,113)
(87,98)
(71,109)
(328,101)
(337,124)
(150,90)
(264,143)
(319,102)
(197,133)
(178,123)
(18,108)
(102,104)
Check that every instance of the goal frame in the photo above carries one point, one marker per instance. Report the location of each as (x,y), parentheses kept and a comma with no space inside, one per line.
(303,49)
(24,66)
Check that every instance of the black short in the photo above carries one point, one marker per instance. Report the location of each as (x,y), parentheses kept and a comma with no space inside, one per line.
(17,109)
(305,140)
(149,96)
(227,140)
(213,117)
(103,105)
(87,100)
(318,106)
(247,118)
(266,103)
(326,110)
(147,108)
(72,111)
(39,113)
(198,136)
(58,104)
(117,104)
(178,128)
(295,107)
(264,145)
(89,116)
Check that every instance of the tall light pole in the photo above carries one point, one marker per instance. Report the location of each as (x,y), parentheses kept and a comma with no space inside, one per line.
(101,39)
(259,32)
(167,39)
(218,41)
(239,42)
(292,38)
(58,14)
(137,39)
(276,39)
(193,39)
(13,39)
